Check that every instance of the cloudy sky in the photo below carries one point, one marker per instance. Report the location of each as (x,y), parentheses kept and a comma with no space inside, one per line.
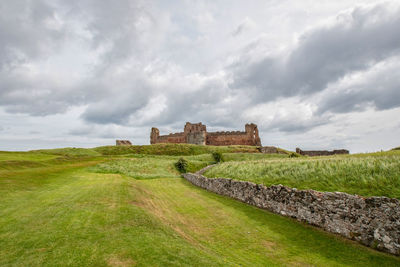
(313,74)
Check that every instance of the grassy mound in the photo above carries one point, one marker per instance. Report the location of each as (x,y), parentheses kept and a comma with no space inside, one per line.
(173,149)
(376,174)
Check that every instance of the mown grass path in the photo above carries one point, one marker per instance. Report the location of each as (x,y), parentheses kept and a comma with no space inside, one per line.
(65,214)
(87,219)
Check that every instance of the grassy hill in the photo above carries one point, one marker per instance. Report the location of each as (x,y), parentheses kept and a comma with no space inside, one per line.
(157,149)
(92,207)
(374,174)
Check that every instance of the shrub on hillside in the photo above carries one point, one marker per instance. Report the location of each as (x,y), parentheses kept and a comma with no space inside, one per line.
(217,156)
(294,155)
(181,165)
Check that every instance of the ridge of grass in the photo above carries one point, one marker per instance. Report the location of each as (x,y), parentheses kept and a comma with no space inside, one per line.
(69,151)
(156,149)
(24,156)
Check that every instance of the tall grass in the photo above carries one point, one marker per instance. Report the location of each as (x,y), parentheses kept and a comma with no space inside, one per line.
(140,168)
(151,166)
(252,156)
(366,175)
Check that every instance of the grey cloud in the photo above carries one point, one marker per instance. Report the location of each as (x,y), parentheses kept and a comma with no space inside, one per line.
(245,25)
(297,126)
(204,104)
(324,55)
(32,31)
(294,120)
(116,110)
(122,30)
(85,130)
(26,32)
(39,95)
(379,90)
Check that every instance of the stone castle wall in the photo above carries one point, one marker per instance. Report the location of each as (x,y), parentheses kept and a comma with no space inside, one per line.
(196,133)
(373,221)
(312,153)
(176,138)
(229,138)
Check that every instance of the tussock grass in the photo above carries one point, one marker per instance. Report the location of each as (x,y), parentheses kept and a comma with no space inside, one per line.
(252,156)
(376,174)
(140,168)
(151,166)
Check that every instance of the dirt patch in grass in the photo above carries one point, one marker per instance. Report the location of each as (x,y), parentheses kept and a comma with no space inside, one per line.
(116,261)
(270,246)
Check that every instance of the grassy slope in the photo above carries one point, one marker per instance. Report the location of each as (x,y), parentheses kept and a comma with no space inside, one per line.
(375,174)
(63,213)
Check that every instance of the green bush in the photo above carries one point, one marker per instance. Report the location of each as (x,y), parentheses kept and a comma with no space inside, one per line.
(181,165)
(294,155)
(217,156)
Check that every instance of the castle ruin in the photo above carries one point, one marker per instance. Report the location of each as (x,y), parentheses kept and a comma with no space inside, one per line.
(123,143)
(196,133)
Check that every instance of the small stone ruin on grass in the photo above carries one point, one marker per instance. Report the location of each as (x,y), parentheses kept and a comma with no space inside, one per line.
(123,143)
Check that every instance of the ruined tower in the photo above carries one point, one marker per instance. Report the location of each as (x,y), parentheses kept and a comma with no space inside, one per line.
(155,133)
(195,133)
(252,131)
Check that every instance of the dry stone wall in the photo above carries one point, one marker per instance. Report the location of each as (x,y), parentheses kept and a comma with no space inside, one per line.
(313,153)
(373,221)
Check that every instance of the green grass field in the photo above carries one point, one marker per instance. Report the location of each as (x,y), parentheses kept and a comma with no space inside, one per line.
(77,208)
(375,174)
